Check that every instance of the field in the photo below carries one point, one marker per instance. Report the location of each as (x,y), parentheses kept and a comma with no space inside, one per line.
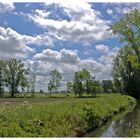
(58,116)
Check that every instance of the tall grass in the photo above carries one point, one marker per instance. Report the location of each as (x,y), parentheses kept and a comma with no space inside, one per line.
(67,117)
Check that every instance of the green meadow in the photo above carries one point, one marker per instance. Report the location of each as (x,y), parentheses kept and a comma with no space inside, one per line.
(59,116)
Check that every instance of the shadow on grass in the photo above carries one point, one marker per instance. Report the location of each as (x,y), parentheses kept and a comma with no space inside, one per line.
(88,97)
(55,97)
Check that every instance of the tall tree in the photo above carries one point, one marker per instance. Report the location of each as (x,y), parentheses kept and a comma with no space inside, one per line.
(51,87)
(126,71)
(77,84)
(84,82)
(15,75)
(107,86)
(54,83)
(129,30)
(69,86)
(32,80)
(2,67)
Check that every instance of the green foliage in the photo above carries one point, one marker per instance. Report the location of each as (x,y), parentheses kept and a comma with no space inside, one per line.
(107,86)
(41,91)
(126,71)
(84,82)
(129,30)
(31,83)
(91,118)
(2,67)
(77,84)
(15,75)
(69,87)
(58,117)
(54,83)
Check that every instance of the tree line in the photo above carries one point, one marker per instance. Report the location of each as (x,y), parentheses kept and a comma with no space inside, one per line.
(16,77)
(83,82)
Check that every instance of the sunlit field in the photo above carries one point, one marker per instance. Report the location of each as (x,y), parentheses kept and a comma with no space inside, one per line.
(53,117)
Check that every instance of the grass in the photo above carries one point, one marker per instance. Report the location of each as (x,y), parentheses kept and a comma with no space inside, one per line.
(135,126)
(58,117)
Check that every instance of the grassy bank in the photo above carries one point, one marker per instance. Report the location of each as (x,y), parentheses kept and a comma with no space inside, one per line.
(135,126)
(59,117)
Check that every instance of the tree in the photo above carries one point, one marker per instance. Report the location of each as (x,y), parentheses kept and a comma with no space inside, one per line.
(69,86)
(84,82)
(41,91)
(97,88)
(51,87)
(129,30)
(2,67)
(107,86)
(77,84)
(15,75)
(126,71)
(54,83)
(32,80)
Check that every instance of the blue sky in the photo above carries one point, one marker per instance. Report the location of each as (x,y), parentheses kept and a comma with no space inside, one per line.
(67,36)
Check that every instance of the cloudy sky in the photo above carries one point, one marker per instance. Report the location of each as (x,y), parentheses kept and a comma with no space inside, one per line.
(67,36)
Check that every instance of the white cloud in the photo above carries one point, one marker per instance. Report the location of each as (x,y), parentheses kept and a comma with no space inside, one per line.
(84,25)
(64,56)
(48,55)
(12,45)
(6,7)
(102,48)
(109,11)
(67,62)
(119,9)
(124,8)
(105,73)
(44,39)
(69,56)
(79,24)
(108,57)
(91,65)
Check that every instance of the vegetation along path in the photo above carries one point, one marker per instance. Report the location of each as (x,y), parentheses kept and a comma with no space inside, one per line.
(59,117)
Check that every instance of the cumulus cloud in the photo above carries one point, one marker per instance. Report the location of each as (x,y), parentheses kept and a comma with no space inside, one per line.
(109,11)
(12,44)
(107,63)
(6,7)
(76,22)
(83,24)
(67,62)
(124,8)
(108,57)
(64,56)
(48,55)
(46,39)
(102,48)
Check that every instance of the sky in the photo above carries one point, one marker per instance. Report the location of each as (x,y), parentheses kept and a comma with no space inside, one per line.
(63,35)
